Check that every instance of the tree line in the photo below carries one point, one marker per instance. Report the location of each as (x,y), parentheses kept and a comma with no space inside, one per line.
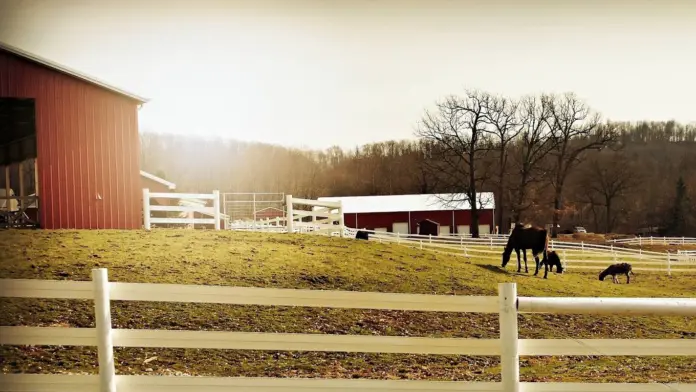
(549,159)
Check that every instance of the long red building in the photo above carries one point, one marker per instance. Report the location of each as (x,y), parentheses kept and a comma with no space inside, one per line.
(81,137)
(411,214)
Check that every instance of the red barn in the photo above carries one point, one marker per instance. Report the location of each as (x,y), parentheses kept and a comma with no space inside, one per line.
(78,134)
(403,213)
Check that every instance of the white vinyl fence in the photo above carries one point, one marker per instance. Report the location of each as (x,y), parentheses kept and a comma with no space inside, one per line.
(508,346)
(326,218)
(656,241)
(191,209)
(688,256)
(574,255)
(302,216)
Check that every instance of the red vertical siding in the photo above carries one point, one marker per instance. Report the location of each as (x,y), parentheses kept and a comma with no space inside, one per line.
(88,146)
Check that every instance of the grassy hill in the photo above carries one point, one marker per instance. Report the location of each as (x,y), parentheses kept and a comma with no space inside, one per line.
(299,261)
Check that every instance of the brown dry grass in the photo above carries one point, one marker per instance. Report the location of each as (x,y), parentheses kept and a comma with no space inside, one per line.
(291,261)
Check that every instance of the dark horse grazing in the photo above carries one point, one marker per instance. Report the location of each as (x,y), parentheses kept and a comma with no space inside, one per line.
(617,269)
(362,235)
(536,239)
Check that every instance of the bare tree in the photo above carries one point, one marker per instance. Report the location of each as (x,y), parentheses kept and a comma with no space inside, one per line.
(501,116)
(576,129)
(421,177)
(606,179)
(533,145)
(459,138)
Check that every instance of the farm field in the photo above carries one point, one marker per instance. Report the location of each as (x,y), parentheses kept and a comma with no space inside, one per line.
(314,262)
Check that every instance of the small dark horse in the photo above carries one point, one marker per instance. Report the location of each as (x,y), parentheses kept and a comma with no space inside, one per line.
(362,235)
(536,239)
(617,269)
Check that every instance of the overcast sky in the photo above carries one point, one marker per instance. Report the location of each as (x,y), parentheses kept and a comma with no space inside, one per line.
(318,73)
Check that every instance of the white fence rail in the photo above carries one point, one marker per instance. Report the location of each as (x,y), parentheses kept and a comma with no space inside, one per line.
(509,347)
(326,216)
(213,211)
(573,255)
(656,241)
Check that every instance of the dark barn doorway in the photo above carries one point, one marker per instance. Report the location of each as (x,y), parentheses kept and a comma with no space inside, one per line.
(428,227)
(18,154)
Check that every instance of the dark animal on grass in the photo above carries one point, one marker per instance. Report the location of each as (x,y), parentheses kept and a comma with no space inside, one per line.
(362,235)
(534,238)
(617,269)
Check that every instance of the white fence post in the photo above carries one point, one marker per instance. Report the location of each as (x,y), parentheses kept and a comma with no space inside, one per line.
(510,357)
(146,208)
(105,346)
(289,215)
(669,264)
(565,260)
(216,208)
(491,241)
(341,220)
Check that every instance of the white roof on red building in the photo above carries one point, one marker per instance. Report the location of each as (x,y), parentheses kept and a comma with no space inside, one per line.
(162,181)
(404,203)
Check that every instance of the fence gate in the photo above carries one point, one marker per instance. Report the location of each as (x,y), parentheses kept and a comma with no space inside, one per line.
(189,204)
(314,215)
(251,206)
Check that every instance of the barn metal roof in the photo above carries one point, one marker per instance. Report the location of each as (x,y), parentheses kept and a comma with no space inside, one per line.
(61,68)
(404,203)
(162,181)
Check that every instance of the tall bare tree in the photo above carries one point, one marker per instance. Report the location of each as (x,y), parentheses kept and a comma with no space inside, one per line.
(501,116)
(460,140)
(607,178)
(534,143)
(576,129)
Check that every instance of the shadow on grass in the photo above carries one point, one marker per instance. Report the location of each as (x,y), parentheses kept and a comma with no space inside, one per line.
(498,270)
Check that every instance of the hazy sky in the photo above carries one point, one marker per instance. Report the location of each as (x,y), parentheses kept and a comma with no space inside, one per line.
(318,73)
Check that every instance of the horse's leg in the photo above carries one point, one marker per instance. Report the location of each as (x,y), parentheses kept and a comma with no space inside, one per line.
(536,259)
(519,262)
(546,268)
(526,270)
(628,278)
